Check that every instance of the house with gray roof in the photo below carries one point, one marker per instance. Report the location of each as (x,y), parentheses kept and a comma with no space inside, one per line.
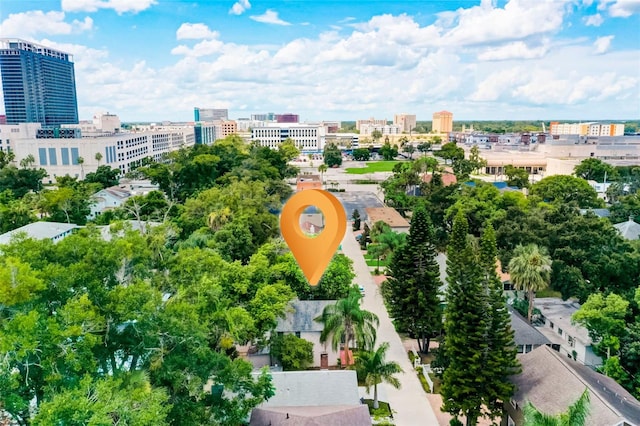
(526,337)
(300,320)
(566,337)
(55,231)
(309,398)
(629,229)
(552,382)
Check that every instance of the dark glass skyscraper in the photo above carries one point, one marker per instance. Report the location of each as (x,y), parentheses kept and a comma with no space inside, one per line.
(38,84)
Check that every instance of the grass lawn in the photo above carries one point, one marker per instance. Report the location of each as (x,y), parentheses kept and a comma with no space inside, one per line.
(373,166)
(372,261)
(547,292)
(382,411)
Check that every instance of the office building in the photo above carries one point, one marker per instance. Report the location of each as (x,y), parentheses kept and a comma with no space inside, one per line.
(442,122)
(210,114)
(371,121)
(58,154)
(269,116)
(308,138)
(407,122)
(385,129)
(38,84)
(287,118)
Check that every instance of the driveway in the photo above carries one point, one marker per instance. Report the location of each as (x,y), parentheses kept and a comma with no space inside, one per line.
(409,403)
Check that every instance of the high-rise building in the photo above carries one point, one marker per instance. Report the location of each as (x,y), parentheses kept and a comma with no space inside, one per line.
(407,122)
(38,84)
(442,122)
(287,118)
(210,114)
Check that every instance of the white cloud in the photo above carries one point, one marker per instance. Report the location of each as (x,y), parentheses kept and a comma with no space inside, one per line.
(120,6)
(204,48)
(28,24)
(195,31)
(602,44)
(593,20)
(514,50)
(269,17)
(624,8)
(488,23)
(240,7)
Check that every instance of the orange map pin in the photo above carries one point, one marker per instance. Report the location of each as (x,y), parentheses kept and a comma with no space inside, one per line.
(313,254)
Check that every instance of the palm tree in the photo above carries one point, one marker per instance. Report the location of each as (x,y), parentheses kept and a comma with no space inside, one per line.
(322,168)
(80,161)
(530,270)
(346,321)
(374,369)
(576,415)
(98,158)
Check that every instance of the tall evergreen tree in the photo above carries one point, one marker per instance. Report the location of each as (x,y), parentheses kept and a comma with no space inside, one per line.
(500,358)
(412,289)
(463,387)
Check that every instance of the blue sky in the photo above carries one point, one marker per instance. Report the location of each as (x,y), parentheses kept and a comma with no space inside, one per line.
(153,60)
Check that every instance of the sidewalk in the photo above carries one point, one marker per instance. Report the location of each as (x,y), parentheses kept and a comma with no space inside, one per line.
(409,403)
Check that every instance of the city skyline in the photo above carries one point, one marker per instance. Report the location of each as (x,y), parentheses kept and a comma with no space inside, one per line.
(149,60)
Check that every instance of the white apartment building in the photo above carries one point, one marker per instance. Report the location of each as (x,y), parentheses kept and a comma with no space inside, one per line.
(587,129)
(386,129)
(371,121)
(308,138)
(121,150)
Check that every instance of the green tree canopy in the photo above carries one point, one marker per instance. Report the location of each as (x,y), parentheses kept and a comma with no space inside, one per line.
(347,321)
(595,169)
(332,155)
(530,270)
(566,189)
(373,368)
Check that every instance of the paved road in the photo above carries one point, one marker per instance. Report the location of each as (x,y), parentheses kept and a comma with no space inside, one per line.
(409,402)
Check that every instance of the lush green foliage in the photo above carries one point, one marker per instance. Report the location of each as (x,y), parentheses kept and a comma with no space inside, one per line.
(595,169)
(411,291)
(148,321)
(293,352)
(576,414)
(372,368)
(530,269)
(479,351)
(345,321)
(516,176)
(361,154)
(332,155)
(564,189)
(388,151)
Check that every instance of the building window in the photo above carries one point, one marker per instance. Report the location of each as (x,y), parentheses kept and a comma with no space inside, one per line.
(298,334)
(527,349)
(74,155)
(65,156)
(572,341)
(42,156)
(559,331)
(551,324)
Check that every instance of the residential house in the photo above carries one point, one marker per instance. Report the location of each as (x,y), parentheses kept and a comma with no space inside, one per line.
(309,398)
(629,229)
(569,339)
(526,337)
(552,382)
(447,178)
(300,320)
(108,199)
(55,231)
(388,215)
